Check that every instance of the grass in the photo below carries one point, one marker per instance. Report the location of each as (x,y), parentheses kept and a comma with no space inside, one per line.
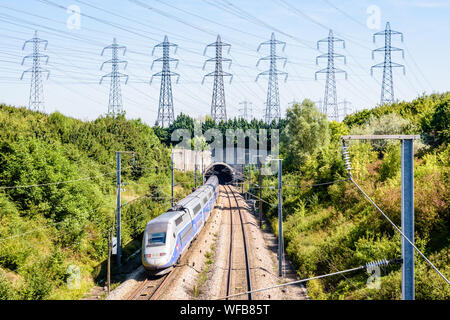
(203,275)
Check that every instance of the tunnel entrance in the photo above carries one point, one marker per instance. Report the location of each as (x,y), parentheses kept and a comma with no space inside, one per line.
(223,171)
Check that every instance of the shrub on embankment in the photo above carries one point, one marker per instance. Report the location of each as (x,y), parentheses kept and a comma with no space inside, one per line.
(47,228)
(333,228)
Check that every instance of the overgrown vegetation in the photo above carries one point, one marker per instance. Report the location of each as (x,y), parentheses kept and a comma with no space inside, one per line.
(332,228)
(46,229)
(64,205)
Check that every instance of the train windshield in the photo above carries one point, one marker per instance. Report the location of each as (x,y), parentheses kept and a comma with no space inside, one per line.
(157,239)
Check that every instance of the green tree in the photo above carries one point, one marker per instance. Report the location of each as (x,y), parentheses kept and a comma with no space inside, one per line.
(306,133)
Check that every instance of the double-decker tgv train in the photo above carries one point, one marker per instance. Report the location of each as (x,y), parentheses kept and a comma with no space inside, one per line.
(170,234)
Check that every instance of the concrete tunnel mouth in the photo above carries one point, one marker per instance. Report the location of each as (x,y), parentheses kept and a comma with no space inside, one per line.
(223,171)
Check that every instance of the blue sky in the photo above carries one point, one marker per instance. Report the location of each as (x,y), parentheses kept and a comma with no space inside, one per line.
(75,58)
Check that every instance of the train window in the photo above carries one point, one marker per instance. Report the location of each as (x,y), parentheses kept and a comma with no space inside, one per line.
(197,208)
(178,221)
(157,239)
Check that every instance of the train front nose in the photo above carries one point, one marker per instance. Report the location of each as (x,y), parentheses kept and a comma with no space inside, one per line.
(155,249)
(155,259)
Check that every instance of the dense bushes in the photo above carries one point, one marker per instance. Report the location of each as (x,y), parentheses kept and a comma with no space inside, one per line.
(45,228)
(332,228)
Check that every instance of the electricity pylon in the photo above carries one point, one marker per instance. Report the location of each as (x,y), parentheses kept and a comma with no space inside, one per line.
(115,106)
(36,99)
(319,105)
(165,111)
(273,95)
(346,109)
(330,106)
(247,110)
(387,86)
(218,107)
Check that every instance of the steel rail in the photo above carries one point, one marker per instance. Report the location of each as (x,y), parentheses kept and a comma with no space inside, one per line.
(231,247)
(247,263)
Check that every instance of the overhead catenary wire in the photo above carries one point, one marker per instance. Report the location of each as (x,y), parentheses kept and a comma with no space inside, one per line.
(348,168)
(398,229)
(148,196)
(307,185)
(57,182)
(345,278)
(366,266)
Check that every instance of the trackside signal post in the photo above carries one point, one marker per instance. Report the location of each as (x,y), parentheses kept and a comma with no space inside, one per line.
(171,179)
(280,219)
(118,206)
(260,189)
(407,169)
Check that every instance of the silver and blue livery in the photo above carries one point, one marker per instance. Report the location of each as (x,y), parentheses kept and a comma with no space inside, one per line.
(171,233)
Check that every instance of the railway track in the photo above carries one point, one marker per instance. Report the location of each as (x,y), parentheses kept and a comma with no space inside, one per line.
(238,273)
(238,276)
(149,288)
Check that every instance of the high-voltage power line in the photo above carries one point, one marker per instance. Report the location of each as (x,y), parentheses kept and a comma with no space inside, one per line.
(218,107)
(165,111)
(330,105)
(387,86)
(273,94)
(36,100)
(115,106)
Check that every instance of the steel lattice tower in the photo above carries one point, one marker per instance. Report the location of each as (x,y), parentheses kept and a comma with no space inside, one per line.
(387,86)
(165,110)
(36,99)
(218,107)
(330,97)
(273,95)
(346,109)
(247,110)
(115,106)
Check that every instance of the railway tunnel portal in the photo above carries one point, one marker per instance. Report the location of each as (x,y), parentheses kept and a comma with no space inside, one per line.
(222,170)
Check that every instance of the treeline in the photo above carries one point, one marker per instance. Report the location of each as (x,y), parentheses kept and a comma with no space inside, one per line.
(188,123)
(330,228)
(57,196)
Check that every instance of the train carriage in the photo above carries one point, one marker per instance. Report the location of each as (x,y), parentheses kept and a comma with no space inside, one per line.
(170,234)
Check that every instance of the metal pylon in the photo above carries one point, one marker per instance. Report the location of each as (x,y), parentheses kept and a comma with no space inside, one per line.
(330,105)
(36,98)
(387,86)
(273,96)
(165,110)
(218,107)
(115,106)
